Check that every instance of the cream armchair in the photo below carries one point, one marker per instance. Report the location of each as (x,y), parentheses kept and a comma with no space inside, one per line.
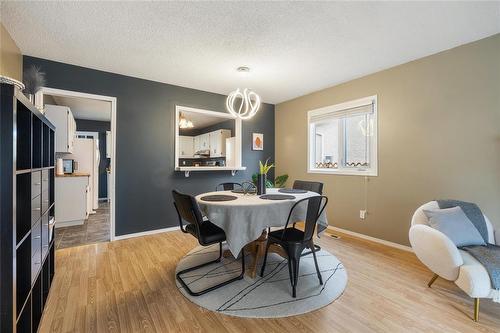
(441,256)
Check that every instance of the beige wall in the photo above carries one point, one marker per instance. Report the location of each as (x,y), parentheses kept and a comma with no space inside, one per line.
(439,137)
(11,60)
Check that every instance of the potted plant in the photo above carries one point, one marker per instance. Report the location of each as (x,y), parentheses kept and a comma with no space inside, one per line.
(262,176)
(279,181)
(33,79)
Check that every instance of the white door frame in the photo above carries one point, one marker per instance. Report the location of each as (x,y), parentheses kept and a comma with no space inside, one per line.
(69,93)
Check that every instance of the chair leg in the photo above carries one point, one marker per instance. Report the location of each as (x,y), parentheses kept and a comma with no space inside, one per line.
(265,259)
(476,309)
(222,284)
(316,264)
(220,251)
(296,262)
(432,280)
(316,247)
(290,270)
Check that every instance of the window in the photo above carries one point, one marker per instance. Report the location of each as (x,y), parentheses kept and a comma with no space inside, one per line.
(343,138)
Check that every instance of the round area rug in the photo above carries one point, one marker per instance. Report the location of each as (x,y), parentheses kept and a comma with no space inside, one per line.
(266,297)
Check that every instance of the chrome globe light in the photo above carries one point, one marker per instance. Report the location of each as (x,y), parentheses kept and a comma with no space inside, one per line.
(243,105)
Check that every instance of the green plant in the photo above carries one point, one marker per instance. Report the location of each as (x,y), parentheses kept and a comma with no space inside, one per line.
(278,181)
(264,168)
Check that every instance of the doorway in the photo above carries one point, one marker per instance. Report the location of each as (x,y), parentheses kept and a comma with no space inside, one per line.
(94,153)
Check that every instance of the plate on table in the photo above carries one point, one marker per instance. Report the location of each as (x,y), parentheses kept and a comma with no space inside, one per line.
(218,197)
(292,190)
(277,197)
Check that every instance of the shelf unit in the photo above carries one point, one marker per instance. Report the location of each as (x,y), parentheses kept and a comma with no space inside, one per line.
(27,252)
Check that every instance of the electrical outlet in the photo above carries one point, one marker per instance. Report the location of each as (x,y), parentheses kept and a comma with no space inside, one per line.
(362,214)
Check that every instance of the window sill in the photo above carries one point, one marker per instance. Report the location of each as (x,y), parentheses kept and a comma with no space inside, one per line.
(344,172)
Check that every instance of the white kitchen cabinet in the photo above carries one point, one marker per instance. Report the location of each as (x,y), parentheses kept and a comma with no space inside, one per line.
(204,141)
(196,141)
(186,146)
(108,178)
(108,144)
(63,120)
(73,200)
(218,142)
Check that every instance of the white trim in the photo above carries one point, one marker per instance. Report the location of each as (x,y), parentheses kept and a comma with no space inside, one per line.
(113,100)
(345,172)
(146,233)
(68,223)
(357,103)
(372,239)
(237,134)
(373,170)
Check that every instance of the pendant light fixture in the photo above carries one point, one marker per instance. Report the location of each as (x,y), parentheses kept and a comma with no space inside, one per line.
(184,123)
(243,104)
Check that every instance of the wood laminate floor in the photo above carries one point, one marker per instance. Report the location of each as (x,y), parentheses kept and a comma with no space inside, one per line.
(128,286)
(94,230)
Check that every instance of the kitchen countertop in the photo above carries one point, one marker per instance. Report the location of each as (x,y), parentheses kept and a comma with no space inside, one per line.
(75,174)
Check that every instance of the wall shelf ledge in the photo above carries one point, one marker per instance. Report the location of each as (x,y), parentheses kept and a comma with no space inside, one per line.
(187,170)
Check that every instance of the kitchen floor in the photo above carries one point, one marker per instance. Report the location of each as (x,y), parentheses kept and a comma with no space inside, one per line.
(94,230)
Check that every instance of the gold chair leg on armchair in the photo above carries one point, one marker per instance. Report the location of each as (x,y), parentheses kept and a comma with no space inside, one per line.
(432,280)
(476,309)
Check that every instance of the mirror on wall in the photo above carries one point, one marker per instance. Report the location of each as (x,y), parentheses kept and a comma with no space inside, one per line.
(206,140)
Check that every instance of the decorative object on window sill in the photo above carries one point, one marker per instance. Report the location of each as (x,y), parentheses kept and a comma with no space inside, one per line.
(326,165)
(257,141)
(184,123)
(9,80)
(262,176)
(33,79)
(243,105)
(356,164)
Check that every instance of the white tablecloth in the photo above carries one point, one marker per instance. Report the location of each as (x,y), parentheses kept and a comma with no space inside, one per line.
(244,219)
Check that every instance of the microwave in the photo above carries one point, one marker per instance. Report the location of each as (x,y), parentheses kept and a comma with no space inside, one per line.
(69,166)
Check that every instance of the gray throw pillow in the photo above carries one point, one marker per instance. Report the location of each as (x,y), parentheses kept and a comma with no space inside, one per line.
(456,225)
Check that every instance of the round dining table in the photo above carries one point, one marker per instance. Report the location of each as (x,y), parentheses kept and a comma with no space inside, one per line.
(246,218)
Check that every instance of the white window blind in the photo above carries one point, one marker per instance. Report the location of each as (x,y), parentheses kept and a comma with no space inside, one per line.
(343,113)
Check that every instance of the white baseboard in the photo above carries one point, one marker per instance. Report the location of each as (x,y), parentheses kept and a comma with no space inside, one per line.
(370,238)
(145,233)
(60,224)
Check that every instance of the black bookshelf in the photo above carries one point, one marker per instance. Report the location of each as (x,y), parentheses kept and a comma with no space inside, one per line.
(27,252)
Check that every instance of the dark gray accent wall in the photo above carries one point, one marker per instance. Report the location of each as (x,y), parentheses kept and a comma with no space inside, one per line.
(101,127)
(145,173)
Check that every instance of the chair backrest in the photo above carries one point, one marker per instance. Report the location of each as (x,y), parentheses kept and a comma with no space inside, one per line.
(315,207)
(228,186)
(308,186)
(187,210)
(419,217)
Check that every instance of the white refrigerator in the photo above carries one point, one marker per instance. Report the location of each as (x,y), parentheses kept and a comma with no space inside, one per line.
(86,154)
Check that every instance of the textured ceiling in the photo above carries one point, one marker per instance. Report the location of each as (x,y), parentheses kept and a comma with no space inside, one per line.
(292,48)
(86,108)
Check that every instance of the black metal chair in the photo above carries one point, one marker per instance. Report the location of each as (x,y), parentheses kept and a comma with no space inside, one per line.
(308,186)
(206,232)
(228,186)
(294,241)
(313,187)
